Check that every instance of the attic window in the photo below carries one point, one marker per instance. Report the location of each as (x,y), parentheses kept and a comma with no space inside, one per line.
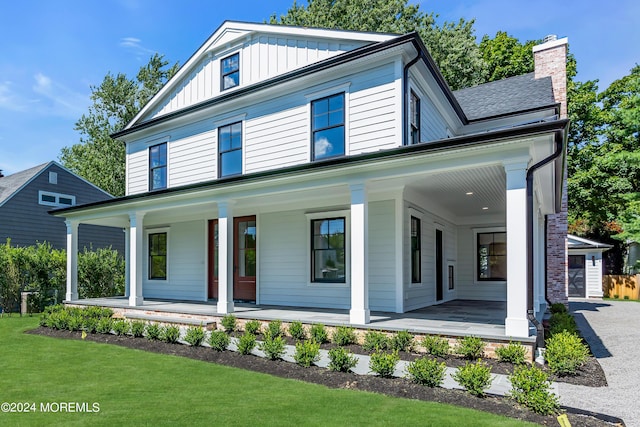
(230,71)
(55,199)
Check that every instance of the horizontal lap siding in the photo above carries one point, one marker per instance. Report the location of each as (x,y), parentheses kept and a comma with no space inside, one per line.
(138,173)
(193,159)
(382,256)
(283,265)
(186,261)
(432,125)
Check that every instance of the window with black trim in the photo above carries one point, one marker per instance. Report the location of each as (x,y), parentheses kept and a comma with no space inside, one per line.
(415,250)
(230,150)
(327,127)
(491,256)
(158,167)
(230,71)
(415,118)
(158,256)
(328,250)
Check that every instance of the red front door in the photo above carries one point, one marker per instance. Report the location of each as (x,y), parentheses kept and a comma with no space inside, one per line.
(213,259)
(244,258)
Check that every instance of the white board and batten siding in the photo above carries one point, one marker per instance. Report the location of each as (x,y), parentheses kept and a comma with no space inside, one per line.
(186,264)
(277,132)
(284,270)
(261,57)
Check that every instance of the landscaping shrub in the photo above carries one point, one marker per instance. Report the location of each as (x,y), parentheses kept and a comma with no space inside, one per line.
(307,352)
(344,335)
(272,346)
(341,360)
(531,388)
(402,341)
(120,327)
(253,327)
(474,377)
(154,332)
(104,325)
(558,307)
(560,322)
(137,328)
(565,353)
(297,332)
(376,341)
(274,328)
(100,273)
(426,371)
(319,333)
(229,323)
(90,324)
(470,347)
(246,343)
(383,364)
(512,353)
(436,346)
(74,322)
(170,334)
(219,340)
(194,336)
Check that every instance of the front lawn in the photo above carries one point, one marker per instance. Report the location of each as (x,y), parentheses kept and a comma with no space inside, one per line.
(133,387)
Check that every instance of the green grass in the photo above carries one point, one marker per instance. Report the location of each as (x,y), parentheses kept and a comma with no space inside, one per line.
(138,388)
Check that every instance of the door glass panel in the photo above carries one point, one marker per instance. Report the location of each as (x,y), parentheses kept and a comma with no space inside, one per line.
(216,246)
(247,249)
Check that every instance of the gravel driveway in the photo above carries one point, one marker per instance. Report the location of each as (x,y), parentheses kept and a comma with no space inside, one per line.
(612,329)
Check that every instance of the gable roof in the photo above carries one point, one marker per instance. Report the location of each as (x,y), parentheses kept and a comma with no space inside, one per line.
(12,184)
(514,94)
(575,242)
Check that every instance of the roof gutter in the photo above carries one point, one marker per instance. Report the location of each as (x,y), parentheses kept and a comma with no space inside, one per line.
(559,137)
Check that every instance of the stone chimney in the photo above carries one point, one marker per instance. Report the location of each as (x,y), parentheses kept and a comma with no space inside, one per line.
(550,59)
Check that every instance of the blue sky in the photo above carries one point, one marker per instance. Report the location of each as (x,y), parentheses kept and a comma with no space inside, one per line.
(51,52)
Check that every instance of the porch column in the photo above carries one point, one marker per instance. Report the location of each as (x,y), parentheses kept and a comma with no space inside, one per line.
(225,257)
(516,323)
(72,260)
(136,245)
(127,261)
(359,313)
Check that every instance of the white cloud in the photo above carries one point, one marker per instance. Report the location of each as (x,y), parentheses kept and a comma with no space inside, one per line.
(135,45)
(64,101)
(322,147)
(8,99)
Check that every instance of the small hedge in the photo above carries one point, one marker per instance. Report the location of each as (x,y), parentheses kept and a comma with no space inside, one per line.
(253,327)
(474,377)
(297,331)
(246,343)
(344,335)
(229,323)
(272,346)
(170,334)
(427,372)
(566,353)
(307,353)
(512,353)
(383,364)
(531,387)
(376,341)
(341,360)
(194,336)
(436,346)
(219,340)
(470,347)
(154,332)
(318,333)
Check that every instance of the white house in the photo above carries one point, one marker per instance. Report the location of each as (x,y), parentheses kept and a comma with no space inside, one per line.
(335,169)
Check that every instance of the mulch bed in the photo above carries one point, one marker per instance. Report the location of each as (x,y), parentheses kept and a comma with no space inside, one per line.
(397,387)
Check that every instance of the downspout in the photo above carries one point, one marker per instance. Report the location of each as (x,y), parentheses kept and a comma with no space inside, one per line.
(559,140)
(405,95)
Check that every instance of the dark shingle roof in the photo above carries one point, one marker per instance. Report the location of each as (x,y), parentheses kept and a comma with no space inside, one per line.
(12,183)
(517,93)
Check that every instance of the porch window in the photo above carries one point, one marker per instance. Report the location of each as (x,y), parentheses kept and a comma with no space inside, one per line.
(230,149)
(415,118)
(158,167)
(327,123)
(491,256)
(415,250)
(328,250)
(230,71)
(158,256)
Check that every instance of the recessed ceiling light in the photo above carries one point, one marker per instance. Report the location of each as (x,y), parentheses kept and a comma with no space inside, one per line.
(469,193)
(485,208)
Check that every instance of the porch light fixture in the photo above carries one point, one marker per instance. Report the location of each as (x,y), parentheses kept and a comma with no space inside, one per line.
(485,208)
(469,193)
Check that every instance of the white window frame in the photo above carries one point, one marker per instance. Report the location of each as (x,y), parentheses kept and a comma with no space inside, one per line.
(57,197)
(477,231)
(147,232)
(346,213)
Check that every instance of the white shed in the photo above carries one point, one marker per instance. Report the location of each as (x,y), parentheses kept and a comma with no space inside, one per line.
(585,267)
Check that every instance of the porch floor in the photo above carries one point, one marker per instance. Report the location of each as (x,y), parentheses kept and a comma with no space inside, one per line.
(454,318)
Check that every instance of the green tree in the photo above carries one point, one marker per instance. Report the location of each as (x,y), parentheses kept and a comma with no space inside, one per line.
(98,158)
(505,56)
(452,45)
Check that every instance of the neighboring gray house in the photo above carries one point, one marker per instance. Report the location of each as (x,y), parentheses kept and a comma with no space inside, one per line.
(26,198)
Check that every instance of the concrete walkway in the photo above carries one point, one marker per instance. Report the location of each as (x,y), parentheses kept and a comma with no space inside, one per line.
(612,329)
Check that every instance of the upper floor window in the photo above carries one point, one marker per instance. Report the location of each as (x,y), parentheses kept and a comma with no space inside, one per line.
(47,198)
(491,256)
(328,250)
(158,167)
(230,149)
(230,71)
(415,118)
(327,127)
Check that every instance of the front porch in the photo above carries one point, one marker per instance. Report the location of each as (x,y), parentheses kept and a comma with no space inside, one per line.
(456,318)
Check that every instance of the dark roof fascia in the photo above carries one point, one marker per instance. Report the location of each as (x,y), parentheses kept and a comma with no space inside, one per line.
(587,246)
(403,151)
(554,106)
(301,72)
(435,71)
